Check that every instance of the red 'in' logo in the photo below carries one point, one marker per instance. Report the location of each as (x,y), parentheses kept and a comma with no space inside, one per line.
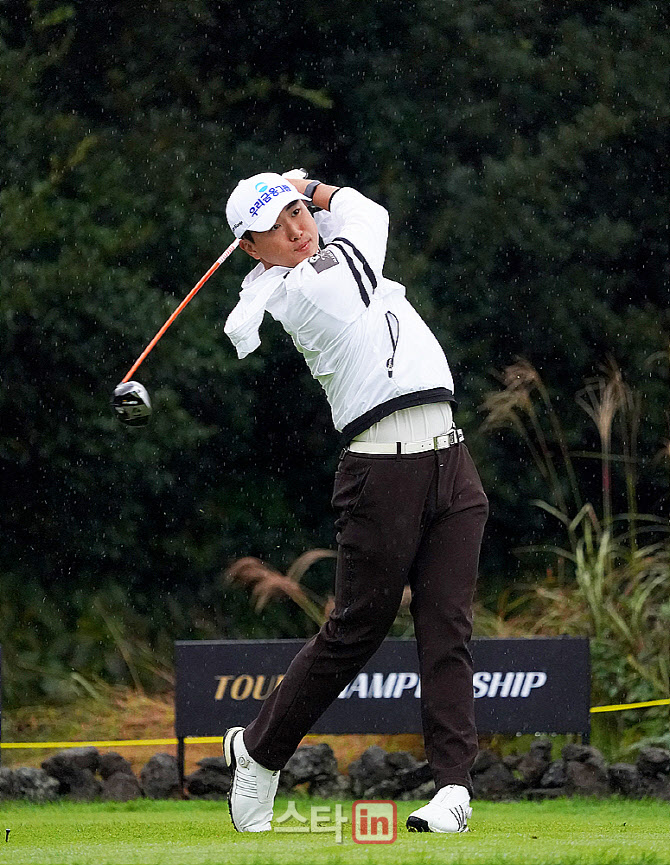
(374,821)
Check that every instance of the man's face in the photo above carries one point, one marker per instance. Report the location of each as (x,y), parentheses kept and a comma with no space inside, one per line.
(293,238)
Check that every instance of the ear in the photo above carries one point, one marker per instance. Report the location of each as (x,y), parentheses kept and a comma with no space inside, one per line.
(249,248)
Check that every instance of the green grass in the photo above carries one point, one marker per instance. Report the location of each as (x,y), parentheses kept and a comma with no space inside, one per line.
(583,832)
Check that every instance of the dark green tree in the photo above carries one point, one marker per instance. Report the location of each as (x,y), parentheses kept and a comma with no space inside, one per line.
(519,150)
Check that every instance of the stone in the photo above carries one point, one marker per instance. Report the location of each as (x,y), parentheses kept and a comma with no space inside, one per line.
(512,761)
(410,779)
(211,781)
(85,787)
(309,763)
(113,763)
(402,761)
(71,769)
(586,778)
(387,789)
(584,754)
(81,785)
(575,752)
(35,785)
(368,771)
(121,787)
(532,766)
(85,758)
(214,763)
(378,775)
(658,788)
(625,779)
(6,783)
(337,787)
(374,760)
(159,777)
(78,758)
(74,769)
(653,762)
(483,761)
(540,794)
(423,792)
(541,748)
(495,783)
(554,776)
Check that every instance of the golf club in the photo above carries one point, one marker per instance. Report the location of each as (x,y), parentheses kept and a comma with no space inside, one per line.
(131,401)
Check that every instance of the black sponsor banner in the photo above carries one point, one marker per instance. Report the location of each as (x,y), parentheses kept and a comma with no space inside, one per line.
(526,685)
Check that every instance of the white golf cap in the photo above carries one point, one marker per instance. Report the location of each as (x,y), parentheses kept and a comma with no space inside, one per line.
(256,202)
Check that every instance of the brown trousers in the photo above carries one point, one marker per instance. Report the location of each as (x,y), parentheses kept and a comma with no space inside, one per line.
(416,519)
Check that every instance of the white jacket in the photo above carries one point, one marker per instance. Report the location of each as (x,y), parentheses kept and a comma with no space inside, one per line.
(361,338)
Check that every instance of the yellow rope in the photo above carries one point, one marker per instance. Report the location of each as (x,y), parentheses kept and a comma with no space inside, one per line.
(202,740)
(621,706)
(122,743)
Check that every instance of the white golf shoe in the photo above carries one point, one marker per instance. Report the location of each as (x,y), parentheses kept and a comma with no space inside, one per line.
(447,811)
(254,787)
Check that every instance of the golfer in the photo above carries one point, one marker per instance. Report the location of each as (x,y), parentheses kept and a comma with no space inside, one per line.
(409,502)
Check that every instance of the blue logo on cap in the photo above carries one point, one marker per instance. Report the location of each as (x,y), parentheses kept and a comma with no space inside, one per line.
(266,195)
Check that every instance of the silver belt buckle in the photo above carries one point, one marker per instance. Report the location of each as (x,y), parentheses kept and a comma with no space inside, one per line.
(454,437)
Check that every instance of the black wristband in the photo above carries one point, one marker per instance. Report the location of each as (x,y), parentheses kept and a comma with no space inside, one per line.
(311,186)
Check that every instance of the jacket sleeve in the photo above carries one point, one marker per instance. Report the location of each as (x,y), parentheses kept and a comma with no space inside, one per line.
(244,321)
(358,220)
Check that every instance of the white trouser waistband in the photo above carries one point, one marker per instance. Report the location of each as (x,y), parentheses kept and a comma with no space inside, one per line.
(438,443)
